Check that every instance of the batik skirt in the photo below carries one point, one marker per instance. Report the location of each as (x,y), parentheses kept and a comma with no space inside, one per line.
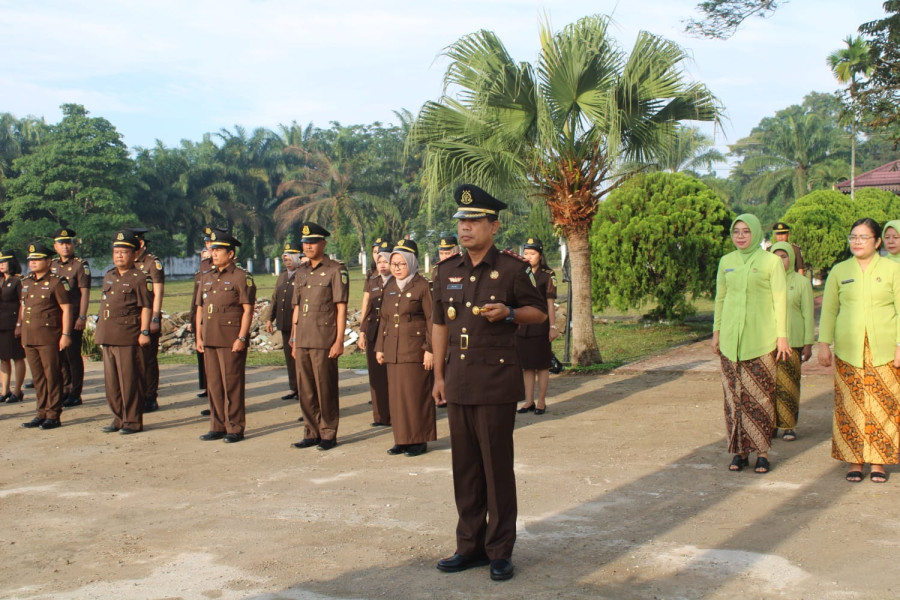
(787,391)
(749,387)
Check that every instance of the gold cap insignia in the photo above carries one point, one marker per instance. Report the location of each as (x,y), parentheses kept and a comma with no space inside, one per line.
(530,241)
(287,246)
(31,248)
(466,197)
(64,232)
(120,236)
(212,236)
(305,230)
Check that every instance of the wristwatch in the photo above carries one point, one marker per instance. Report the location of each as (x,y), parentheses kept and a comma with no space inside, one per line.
(145,332)
(242,339)
(511,316)
(154,320)
(82,317)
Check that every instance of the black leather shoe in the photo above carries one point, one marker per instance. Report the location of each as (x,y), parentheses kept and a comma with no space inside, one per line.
(70,402)
(50,424)
(128,431)
(291,396)
(212,435)
(525,409)
(150,406)
(202,394)
(327,444)
(5,396)
(35,422)
(231,438)
(300,420)
(29,385)
(458,562)
(416,449)
(501,569)
(377,424)
(205,412)
(109,429)
(13,398)
(397,449)
(306,443)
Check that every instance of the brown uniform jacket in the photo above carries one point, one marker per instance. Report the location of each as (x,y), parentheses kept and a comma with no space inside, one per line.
(121,299)
(405,329)
(221,297)
(77,274)
(151,266)
(10,301)
(281,311)
(545,280)
(41,312)
(317,291)
(205,267)
(482,365)
(368,323)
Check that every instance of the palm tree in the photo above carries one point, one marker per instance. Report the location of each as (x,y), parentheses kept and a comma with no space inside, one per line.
(846,64)
(691,150)
(561,130)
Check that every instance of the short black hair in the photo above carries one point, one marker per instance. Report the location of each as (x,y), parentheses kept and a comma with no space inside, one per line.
(872,224)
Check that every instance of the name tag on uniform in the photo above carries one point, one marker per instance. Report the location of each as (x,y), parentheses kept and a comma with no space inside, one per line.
(392,293)
(847,281)
(454,286)
(729,270)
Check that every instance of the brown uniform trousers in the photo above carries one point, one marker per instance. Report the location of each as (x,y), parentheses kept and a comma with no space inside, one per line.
(280,313)
(77,274)
(122,298)
(405,336)
(152,267)
(483,382)
(317,292)
(41,330)
(222,295)
(368,327)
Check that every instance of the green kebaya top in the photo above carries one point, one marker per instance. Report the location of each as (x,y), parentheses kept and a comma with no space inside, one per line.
(801,323)
(751,299)
(858,304)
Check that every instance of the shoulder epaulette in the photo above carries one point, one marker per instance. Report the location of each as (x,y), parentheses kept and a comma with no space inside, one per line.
(514,255)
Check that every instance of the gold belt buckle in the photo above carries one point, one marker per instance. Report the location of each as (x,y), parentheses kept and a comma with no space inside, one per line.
(396,318)
(464,341)
(305,308)
(209,309)
(105,314)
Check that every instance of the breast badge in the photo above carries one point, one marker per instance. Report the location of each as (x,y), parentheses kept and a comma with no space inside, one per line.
(451,313)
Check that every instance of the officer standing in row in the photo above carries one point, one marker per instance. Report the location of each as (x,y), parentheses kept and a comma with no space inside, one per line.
(77,274)
(447,247)
(46,332)
(152,267)
(480,299)
(204,267)
(123,327)
(370,319)
(224,312)
(281,310)
(782,233)
(320,316)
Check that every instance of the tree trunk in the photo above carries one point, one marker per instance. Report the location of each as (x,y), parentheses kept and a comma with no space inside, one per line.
(581,316)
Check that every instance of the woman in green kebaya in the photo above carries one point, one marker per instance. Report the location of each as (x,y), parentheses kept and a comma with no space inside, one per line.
(750,335)
(801,327)
(891,238)
(860,315)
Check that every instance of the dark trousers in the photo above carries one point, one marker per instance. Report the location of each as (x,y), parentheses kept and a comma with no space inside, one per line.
(484,484)
(47,376)
(150,371)
(72,365)
(317,378)
(289,360)
(121,376)
(226,386)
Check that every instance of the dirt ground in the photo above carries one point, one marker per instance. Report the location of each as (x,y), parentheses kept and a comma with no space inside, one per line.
(623,489)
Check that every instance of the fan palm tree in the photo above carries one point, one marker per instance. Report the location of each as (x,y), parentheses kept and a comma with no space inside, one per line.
(562,129)
(846,64)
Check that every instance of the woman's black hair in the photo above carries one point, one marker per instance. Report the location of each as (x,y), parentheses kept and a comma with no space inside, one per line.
(14,267)
(872,224)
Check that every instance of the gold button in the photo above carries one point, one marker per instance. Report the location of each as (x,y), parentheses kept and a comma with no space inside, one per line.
(468,304)
(395,326)
(462,357)
(472,279)
(501,361)
(464,330)
(493,297)
(450,300)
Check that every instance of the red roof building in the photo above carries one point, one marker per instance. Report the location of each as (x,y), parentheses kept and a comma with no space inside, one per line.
(886,177)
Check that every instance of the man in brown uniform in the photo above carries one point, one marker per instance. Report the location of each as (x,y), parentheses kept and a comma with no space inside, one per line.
(77,274)
(281,310)
(320,317)
(226,299)
(447,247)
(151,266)
(123,326)
(46,312)
(782,233)
(480,298)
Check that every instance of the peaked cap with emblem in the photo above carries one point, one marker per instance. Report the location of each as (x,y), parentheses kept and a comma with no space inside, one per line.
(407,246)
(37,250)
(291,248)
(63,234)
(447,242)
(475,203)
(377,243)
(534,243)
(384,246)
(139,232)
(223,239)
(6,255)
(125,238)
(781,227)
(312,233)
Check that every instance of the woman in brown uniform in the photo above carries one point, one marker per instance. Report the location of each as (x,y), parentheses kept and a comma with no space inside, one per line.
(533,341)
(368,333)
(404,344)
(12,354)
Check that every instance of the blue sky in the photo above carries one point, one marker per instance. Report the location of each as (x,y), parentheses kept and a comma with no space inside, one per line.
(176,69)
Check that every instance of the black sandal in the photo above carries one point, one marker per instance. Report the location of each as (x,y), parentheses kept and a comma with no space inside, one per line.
(762,465)
(854,476)
(878,477)
(738,463)
(789,436)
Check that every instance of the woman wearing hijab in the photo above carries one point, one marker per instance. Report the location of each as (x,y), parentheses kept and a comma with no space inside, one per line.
(12,354)
(404,344)
(750,335)
(533,341)
(891,238)
(368,333)
(801,328)
(859,314)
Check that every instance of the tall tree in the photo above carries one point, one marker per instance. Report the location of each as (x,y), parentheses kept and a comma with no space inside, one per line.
(879,95)
(561,129)
(847,64)
(722,18)
(691,149)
